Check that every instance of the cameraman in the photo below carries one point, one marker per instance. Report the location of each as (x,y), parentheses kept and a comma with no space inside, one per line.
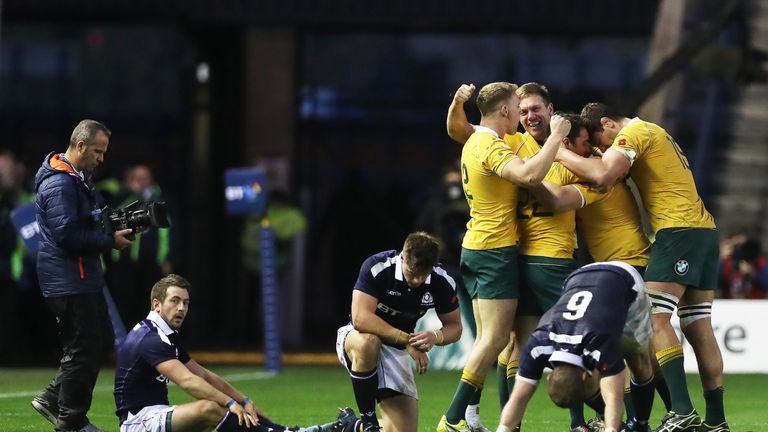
(69,270)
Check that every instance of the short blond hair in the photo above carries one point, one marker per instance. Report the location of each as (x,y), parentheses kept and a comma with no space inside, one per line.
(492,95)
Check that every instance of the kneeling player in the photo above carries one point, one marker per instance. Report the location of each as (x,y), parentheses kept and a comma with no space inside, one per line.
(378,348)
(152,355)
(603,315)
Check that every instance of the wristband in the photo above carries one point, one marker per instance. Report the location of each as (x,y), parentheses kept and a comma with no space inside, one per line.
(245,401)
(399,334)
(230,403)
(439,339)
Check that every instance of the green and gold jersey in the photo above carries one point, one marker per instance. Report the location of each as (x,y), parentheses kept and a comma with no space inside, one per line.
(491,199)
(611,227)
(663,177)
(542,231)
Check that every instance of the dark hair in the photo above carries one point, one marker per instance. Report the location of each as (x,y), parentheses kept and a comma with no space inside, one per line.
(160,289)
(86,130)
(491,95)
(421,252)
(534,88)
(577,122)
(594,111)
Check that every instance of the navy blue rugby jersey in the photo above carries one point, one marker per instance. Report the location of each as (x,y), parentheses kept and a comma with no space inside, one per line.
(585,326)
(137,383)
(381,276)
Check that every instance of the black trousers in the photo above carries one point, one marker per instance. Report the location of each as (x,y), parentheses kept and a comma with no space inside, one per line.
(84,332)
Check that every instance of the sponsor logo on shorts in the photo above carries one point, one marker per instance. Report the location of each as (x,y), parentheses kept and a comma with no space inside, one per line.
(681,267)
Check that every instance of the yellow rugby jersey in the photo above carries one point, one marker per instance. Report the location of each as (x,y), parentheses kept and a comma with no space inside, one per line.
(663,177)
(491,199)
(611,227)
(542,231)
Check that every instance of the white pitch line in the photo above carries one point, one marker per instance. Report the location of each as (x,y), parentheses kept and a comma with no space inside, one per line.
(103,388)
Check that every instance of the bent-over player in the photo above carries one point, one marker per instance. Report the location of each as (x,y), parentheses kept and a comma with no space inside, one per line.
(602,318)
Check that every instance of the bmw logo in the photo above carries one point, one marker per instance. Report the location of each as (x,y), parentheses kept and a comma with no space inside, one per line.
(681,267)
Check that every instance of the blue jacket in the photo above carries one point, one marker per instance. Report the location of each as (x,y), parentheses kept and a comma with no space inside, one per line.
(71,238)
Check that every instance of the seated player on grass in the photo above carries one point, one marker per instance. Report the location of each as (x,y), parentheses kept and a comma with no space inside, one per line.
(152,355)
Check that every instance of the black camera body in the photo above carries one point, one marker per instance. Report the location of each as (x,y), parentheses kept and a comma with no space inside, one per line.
(138,216)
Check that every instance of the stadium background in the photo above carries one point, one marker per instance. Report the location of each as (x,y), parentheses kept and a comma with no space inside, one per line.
(346,100)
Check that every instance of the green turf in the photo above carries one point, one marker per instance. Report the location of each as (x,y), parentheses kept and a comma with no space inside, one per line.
(306,395)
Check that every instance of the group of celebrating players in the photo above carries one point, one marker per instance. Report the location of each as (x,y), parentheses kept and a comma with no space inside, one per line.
(527,194)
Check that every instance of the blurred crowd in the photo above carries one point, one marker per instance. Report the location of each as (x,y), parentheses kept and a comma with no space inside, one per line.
(743,270)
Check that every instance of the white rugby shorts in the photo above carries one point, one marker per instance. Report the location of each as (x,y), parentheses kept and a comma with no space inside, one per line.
(638,330)
(149,419)
(395,365)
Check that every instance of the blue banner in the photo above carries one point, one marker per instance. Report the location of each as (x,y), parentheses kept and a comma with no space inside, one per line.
(24,219)
(245,191)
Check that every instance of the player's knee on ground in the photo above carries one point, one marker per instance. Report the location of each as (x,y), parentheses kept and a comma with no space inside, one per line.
(566,386)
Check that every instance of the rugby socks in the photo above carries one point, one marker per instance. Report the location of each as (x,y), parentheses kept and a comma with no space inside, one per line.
(642,396)
(469,385)
(577,416)
(501,376)
(228,423)
(629,405)
(671,364)
(715,411)
(365,385)
(597,403)
(511,374)
(661,388)
(271,425)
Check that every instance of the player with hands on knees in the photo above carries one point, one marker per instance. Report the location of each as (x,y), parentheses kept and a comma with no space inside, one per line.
(378,347)
(153,355)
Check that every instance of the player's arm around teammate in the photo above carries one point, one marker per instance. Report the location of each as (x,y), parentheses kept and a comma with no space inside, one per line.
(531,172)
(607,170)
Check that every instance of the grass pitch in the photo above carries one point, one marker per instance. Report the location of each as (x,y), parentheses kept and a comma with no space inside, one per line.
(310,395)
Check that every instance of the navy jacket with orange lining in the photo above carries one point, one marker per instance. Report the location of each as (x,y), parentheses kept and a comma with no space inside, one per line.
(71,239)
